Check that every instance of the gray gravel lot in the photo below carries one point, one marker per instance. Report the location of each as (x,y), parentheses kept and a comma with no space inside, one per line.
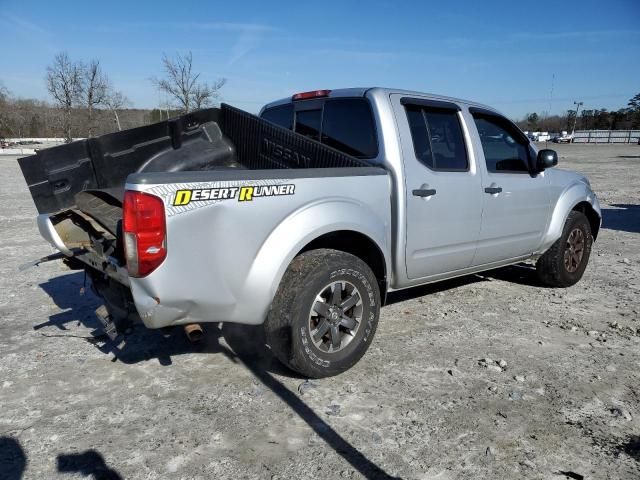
(421,404)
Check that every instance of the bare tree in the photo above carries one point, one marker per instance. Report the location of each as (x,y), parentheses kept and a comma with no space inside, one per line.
(181,83)
(116,101)
(204,94)
(4,93)
(64,82)
(95,88)
(4,108)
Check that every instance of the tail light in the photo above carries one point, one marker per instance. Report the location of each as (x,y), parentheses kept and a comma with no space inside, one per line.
(312,94)
(144,228)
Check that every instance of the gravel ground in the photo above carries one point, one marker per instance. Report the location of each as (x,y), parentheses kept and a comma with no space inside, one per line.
(488,376)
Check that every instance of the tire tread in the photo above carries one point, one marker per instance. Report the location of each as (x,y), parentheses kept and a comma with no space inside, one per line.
(550,266)
(284,309)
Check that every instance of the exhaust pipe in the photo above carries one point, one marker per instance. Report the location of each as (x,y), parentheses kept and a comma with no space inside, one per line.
(194,332)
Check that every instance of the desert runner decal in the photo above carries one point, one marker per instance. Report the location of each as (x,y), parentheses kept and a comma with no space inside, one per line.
(243,193)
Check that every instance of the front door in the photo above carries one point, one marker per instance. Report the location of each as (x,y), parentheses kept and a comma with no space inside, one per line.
(515,204)
(443,201)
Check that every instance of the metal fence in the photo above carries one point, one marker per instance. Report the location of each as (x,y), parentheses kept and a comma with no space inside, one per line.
(607,136)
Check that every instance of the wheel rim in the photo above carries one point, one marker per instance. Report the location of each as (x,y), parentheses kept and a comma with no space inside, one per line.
(574,251)
(335,316)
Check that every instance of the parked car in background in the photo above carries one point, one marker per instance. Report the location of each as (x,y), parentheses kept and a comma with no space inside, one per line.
(563,138)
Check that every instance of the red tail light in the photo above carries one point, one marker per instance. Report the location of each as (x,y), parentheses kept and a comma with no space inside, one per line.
(144,229)
(312,94)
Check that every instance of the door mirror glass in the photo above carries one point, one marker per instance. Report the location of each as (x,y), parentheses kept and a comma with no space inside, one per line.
(546,159)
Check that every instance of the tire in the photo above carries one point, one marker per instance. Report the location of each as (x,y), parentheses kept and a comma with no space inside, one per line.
(560,266)
(306,331)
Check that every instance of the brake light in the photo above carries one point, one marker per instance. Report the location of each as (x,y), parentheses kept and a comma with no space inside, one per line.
(312,94)
(144,228)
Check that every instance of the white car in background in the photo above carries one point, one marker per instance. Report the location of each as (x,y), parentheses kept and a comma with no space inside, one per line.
(564,138)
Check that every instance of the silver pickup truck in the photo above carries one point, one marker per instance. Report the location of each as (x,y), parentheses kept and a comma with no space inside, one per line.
(305,217)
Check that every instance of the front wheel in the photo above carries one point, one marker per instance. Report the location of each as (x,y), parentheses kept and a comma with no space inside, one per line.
(565,262)
(324,314)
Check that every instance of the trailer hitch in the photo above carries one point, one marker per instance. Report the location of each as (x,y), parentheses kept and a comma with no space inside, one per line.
(50,258)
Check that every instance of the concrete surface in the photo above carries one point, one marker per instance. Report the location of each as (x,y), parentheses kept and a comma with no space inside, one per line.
(429,399)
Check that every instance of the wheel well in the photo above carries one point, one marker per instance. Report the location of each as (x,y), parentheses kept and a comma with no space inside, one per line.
(359,245)
(592,216)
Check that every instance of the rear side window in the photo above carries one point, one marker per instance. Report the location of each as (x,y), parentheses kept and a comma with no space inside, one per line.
(347,125)
(282,115)
(308,123)
(437,137)
(504,151)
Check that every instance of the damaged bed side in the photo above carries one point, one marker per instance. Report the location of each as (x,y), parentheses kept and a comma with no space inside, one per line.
(78,190)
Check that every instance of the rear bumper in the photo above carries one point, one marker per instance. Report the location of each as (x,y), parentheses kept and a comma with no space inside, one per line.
(49,233)
(67,241)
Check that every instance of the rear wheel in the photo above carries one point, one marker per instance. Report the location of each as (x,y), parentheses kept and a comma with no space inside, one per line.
(324,314)
(565,262)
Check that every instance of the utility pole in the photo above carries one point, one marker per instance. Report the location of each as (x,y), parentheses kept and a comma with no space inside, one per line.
(553,81)
(575,120)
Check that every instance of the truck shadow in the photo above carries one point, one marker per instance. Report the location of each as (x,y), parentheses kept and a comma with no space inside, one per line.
(143,344)
(521,273)
(624,218)
(432,288)
(331,437)
(246,341)
(242,344)
(78,306)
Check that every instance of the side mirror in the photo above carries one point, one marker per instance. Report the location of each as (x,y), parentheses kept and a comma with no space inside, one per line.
(546,159)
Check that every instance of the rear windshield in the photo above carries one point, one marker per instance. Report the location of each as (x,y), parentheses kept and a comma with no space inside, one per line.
(308,123)
(345,124)
(282,115)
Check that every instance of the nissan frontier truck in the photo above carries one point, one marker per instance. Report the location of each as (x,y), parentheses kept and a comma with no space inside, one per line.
(305,217)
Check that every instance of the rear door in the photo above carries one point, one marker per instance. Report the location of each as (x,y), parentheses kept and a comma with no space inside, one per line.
(515,203)
(443,200)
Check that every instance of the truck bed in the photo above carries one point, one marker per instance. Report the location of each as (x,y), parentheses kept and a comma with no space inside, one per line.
(90,174)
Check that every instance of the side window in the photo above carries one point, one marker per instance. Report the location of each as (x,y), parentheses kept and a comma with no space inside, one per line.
(504,151)
(282,115)
(347,125)
(437,138)
(308,123)
(420,136)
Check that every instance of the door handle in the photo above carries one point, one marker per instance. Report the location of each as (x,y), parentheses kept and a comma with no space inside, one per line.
(424,192)
(493,190)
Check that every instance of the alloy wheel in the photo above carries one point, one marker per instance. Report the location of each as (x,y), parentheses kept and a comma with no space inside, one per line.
(335,316)
(574,250)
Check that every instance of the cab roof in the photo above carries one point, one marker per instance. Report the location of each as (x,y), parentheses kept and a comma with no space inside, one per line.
(379,91)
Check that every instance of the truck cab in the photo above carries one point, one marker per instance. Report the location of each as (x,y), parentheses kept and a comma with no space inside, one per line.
(468,191)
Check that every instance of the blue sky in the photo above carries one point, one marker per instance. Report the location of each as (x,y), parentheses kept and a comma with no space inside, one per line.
(500,53)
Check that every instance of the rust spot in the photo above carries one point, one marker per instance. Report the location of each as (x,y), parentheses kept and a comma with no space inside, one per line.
(157,300)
